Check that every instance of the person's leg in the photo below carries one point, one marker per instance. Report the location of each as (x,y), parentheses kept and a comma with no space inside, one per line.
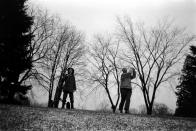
(64,99)
(68,105)
(71,99)
(127,100)
(123,97)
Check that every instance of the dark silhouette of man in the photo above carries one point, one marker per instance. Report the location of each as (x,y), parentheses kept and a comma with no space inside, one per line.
(69,87)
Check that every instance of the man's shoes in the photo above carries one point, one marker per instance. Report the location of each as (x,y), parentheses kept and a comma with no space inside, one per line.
(121,111)
(127,111)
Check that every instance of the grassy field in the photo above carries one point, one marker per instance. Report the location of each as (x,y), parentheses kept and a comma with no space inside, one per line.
(44,119)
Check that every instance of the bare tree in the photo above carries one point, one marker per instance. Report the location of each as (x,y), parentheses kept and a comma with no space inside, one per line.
(155,53)
(105,65)
(54,56)
(54,48)
(43,30)
(114,60)
(72,56)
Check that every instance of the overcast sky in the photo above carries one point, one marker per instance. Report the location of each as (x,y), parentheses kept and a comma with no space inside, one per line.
(94,16)
(97,16)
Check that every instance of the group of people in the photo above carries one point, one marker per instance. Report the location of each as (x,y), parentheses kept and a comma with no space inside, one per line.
(69,87)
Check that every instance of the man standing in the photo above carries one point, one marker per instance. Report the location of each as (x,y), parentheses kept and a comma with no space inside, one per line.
(69,87)
(126,89)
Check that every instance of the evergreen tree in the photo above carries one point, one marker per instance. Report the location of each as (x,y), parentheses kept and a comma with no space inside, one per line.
(186,90)
(14,46)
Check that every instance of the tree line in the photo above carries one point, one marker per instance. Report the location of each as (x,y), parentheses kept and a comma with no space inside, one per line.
(36,47)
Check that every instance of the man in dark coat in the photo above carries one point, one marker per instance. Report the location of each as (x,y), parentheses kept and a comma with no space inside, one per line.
(69,87)
(126,88)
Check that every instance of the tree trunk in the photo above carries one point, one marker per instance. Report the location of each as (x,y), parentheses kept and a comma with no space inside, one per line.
(149,110)
(118,91)
(50,102)
(59,89)
(113,106)
(58,94)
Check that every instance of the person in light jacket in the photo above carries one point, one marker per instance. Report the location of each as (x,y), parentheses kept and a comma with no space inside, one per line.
(69,87)
(126,89)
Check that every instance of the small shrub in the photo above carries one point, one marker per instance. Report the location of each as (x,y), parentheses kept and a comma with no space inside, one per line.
(158,109)
(104,107)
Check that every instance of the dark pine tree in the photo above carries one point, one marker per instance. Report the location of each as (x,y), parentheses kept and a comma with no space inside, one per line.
(186,90)
(14,46)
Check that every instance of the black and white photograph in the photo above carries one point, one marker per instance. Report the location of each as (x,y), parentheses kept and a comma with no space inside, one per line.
(97,65)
